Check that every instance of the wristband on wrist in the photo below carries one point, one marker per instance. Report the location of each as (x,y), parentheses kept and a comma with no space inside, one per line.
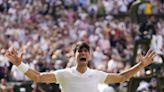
(23,67)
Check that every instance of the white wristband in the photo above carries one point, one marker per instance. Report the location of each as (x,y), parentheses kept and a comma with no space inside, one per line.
(23,67)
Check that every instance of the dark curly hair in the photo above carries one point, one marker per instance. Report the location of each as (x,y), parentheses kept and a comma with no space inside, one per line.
(79,45)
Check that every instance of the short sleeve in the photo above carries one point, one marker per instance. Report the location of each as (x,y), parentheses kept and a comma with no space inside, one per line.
(101,76)
(59,74)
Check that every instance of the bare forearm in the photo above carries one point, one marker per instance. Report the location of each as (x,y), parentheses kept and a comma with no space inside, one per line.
(34,75)
(121,77)
(45,77)
(132,71)
(144,61)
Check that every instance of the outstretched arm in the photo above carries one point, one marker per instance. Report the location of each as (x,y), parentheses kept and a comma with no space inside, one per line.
(144,61)
(16,59)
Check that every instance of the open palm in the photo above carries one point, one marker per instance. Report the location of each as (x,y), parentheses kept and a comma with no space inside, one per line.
(148,58)
(13,56)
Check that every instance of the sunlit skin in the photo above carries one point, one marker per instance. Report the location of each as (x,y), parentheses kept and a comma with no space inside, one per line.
(82,56)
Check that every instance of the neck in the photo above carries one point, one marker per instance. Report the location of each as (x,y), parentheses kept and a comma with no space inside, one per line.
(81,69)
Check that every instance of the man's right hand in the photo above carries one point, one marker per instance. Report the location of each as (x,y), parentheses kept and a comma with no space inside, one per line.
(13,56)
(16,59)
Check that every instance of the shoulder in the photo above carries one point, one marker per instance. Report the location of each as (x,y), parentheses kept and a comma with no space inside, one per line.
(63,70)
(94,71)
(99,75)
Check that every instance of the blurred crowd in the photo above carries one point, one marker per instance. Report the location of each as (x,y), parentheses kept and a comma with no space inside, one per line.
(45,31)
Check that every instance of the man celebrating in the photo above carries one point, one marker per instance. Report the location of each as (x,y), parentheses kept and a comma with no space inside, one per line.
(79,78)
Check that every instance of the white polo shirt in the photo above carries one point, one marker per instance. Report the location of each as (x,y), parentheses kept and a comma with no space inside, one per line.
(71,80)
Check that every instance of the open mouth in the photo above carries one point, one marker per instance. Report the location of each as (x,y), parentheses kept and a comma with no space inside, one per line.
(83,59)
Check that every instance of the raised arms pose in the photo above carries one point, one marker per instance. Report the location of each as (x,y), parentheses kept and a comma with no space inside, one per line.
(74,79)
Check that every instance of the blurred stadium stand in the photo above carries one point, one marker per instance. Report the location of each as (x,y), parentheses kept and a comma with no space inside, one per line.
(48,30)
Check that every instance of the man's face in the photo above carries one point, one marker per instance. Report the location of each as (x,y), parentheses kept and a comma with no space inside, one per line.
(82,56)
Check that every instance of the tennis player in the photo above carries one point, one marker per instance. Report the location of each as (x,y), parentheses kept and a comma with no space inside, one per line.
(79,78)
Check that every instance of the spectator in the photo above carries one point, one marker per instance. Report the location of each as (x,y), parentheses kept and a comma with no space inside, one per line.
(97,56)
(146,31)
(113,63)
(4,65)
(41,27)
(156,44)
(5,87)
